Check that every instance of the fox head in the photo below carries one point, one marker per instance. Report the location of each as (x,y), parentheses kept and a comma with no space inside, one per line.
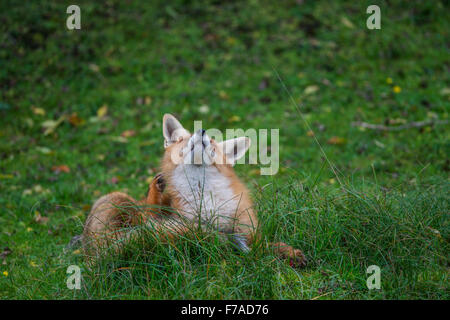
(198,149)
(201,182)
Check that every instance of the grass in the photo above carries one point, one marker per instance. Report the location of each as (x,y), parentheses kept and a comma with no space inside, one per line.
(142,60)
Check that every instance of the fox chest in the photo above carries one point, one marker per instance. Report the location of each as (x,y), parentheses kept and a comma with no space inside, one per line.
(206,195)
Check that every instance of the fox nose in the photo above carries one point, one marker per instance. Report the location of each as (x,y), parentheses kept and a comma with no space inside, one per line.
(200,132)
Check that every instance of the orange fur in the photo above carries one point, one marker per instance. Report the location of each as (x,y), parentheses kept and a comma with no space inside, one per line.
(116,211)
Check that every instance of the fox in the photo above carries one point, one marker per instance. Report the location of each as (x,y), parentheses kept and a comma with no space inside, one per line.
(197,185)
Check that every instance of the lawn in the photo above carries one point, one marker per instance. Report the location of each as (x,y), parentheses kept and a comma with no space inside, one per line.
(81,113)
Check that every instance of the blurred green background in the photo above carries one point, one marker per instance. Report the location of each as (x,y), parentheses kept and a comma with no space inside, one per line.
(81,110)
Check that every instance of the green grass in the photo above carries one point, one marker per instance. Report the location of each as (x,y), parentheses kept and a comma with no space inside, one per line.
(143,60)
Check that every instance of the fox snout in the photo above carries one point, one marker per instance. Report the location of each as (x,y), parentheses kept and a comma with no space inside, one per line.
(199,150)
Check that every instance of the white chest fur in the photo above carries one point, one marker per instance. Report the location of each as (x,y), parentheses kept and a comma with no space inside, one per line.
(206,195)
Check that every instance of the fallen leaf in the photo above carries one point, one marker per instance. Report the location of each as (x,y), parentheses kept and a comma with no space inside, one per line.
(128,133)
(379,144)
(75,120)
(38,218)
(44,150)
(115,179)
(61,168)
(119,139)
(203,109)
(234,119)
(336,140)
(93,67)
(102,111)
(435,232)
(51,125)
(311,89)
(445,91)
(38,111)
(346,22)
(223,95)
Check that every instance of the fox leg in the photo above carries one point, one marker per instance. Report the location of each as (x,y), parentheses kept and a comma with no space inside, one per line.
(156,196)
(248,235)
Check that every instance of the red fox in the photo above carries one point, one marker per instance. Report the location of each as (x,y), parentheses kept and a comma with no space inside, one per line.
(197,182)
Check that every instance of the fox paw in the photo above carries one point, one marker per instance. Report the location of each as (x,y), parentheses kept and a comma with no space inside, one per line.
(295,257)
(160,182)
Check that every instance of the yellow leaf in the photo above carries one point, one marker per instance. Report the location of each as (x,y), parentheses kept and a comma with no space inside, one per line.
(102,111)
(346,22)
(94,67)
(311,89)
(51,125)
(336,140)
(38,111)
(234,119)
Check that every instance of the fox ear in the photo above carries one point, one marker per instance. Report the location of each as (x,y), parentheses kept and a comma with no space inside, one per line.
(172,130)
(234,149)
